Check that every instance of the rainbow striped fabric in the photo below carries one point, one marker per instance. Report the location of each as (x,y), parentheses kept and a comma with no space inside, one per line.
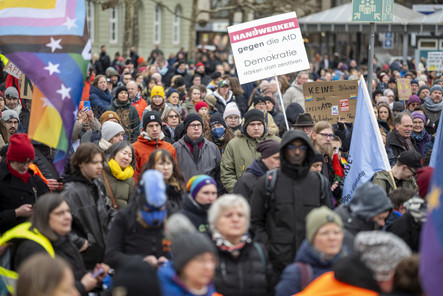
(49,42)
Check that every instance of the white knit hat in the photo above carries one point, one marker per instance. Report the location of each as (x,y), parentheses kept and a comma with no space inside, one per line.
(110,129)
(231,109)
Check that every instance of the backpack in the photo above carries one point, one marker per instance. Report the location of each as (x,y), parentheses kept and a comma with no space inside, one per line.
(306,274)
(271,181)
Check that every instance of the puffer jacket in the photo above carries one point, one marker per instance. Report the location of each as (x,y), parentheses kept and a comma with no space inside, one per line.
(290,281)
(91,216)
(130,238)
(280,223)
(208,162)
(294,94)
(248,274)
(129,118)
(246,184)
(100,100)
(121,189)
(239,154)
(145,146)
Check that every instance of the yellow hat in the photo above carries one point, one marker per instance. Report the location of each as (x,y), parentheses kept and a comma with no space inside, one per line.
(158,90)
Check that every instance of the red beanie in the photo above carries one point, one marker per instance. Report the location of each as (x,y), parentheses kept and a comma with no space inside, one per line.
(20,148)
(201,104)
(424,176)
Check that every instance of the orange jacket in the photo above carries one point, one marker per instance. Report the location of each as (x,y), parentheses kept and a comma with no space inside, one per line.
(140,106)
(327,285)
(143,149)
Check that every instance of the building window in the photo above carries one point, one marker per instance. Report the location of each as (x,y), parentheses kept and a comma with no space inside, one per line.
(113,25)
(176,25)
(90,18)
(157,24)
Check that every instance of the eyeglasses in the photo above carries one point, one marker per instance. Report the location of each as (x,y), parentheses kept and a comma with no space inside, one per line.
(414,172)
(327,135)
(301,147)
(195,125)
(173,116)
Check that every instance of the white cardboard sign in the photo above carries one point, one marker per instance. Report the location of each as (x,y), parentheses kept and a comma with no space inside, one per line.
(435,61)
(268,47)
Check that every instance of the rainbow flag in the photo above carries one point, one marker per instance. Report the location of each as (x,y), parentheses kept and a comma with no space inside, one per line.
(49,42)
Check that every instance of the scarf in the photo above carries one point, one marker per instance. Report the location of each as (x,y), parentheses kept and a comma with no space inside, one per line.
(433,107)
(194,145)
(225,245)
(158,108)
(117,171)
(104,145)
(418,137)
(24,177)
(163,70)
(146,136)
(405,143)
(136,98)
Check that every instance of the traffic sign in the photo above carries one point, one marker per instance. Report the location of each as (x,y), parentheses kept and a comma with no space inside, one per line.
(374,11)
(388,42)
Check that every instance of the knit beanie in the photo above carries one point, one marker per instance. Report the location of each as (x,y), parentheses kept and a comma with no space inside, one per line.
(269,99)
(198,182)
(253,115)
(20,148)
(109,115)
(151,116)
(433,88)
(417,114)
(186,246)
(11,92)
(217,118)
(231,109)
(369,200)
(190,118)
(292,112)
(201,104)
(422,88)
(417,207)
(171,91)
(319,217)
(424,177)
(398,106)
(9,114)
(381,252)
(267,148)
(318,157)
(259,99)
(120,89)
(158,90)
(413,99)
(110,129)
(137,277)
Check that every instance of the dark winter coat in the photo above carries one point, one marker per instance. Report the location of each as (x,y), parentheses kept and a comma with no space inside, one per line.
(393,142)
(407,229)
(195,213)
(280,223)
(175,199)
(291,279)
(14,193)
(128,238)
(129,118)
(278,117)
(246,184)
(100,100)
(91,216)
(248,274)
(44,157)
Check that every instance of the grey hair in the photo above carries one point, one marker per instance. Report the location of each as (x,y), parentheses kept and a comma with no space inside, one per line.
(299,74)
(226,202)
(400,116)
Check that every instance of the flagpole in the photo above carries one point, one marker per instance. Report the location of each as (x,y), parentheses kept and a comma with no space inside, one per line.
(281,103)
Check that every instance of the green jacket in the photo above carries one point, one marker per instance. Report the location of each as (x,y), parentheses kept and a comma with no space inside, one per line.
(121,189)
(239,154)
(383,178)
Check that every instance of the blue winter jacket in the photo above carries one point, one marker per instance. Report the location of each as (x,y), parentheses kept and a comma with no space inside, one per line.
(100,100)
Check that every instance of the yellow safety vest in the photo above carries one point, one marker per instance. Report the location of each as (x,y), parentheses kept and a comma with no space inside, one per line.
(21,231)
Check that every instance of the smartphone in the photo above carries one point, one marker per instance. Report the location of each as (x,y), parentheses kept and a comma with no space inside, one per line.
(97,273)
(86,106)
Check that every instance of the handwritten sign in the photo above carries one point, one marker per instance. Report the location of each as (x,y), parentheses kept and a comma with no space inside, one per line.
(268,47)
(435,61)
(13,70)
(327,101)
(26,87)
(404,88)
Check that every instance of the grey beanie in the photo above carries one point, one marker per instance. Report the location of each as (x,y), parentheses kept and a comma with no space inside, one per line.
(369,200)
(9,114)
(433,88)
(381,252)
(110,129)
(11,92)
(186,246)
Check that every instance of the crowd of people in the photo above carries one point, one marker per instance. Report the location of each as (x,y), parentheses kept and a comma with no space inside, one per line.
(181,181)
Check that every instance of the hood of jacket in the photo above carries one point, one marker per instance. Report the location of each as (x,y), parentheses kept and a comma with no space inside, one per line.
(288,168)
(366,208)
(257,168)
(308,254)
(192,206)
(98,92)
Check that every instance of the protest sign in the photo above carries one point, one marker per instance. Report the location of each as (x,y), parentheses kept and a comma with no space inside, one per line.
(26,87)
(435,61)
(327,101)
(268,47)
(13,70)
(404,89)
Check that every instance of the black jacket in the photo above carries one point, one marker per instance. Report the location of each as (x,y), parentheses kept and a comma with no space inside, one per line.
(407,229)
(129,239)
(196,214)
(91,216)
(393,142)
(15,193)
(245,185)
(249,274)
(44,157)
(280,224)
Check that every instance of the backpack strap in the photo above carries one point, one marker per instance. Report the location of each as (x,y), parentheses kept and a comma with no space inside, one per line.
(270,182)
(306,274)
(262,256)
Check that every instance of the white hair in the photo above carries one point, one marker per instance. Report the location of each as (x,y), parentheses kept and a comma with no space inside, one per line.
(224,203)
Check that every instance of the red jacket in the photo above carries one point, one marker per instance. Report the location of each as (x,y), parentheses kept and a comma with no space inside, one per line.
(143,149)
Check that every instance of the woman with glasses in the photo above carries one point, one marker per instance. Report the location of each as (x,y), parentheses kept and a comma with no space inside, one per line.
(419,133)
(171,119)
